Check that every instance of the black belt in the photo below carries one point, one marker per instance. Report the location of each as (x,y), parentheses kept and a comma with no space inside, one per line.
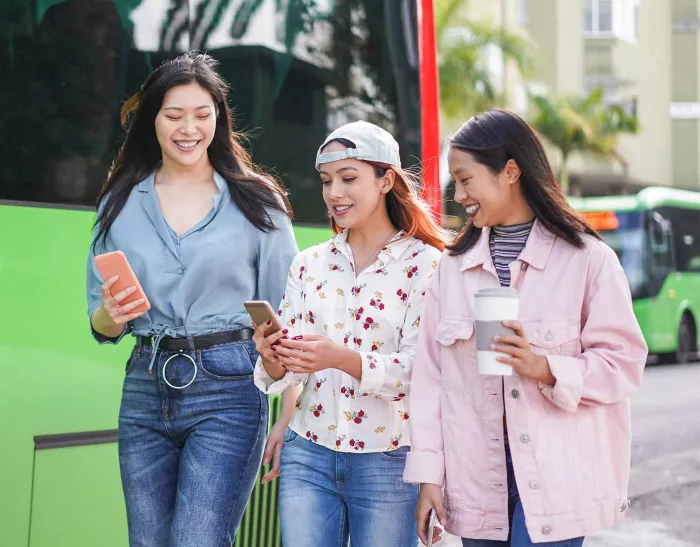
(204,341)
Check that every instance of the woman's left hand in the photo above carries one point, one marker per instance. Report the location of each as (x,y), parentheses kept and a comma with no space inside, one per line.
(521,357)
(310,353)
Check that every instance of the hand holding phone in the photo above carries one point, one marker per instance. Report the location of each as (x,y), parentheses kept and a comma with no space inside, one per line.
(122,295)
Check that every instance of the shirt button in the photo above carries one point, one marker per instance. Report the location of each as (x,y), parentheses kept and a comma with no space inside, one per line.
(549,336)
(523,266)
(524,438)
(515,394)
(546,530)
(534,484)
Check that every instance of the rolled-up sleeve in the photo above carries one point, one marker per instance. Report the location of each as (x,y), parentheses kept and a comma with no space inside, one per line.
(614,352)
(290,313)
(426,460)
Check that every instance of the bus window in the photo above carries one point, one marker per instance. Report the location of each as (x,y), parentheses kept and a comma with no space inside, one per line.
(661,262)
(685,225)
(297,71)
(627,238)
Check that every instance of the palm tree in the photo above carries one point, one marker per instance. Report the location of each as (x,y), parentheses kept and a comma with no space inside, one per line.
(581,124)
(464,49)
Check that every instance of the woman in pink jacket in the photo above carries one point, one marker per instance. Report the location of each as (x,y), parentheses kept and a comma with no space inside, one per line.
(542,456)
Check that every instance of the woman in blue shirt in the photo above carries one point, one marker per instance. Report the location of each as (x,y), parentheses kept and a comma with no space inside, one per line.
(203,232)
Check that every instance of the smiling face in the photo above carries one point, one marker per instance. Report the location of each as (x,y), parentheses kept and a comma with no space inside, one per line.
(185,125)
(353,193)
(489,199)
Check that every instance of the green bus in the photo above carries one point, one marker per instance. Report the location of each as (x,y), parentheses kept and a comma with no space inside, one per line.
(298,69)
(656,235)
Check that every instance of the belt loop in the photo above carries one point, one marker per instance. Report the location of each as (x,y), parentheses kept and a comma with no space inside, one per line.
(190,343)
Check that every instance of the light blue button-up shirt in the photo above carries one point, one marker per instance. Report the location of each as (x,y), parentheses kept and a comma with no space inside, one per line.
(197,283)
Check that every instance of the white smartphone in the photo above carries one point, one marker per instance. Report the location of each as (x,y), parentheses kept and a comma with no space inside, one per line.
(431,526)
(261,312)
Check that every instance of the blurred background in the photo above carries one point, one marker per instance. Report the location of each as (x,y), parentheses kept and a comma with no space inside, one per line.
(611,86)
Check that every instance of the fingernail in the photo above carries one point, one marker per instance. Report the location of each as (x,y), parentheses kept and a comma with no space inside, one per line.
(285,331)
(276,356)
(297,338)
(496,339)
(269,323)
(273,348)
(493,347)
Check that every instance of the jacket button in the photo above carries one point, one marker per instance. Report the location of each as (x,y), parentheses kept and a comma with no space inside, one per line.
(534,484)
(523,266)
(546,530)
(524,438)
(515,394)
(549,336)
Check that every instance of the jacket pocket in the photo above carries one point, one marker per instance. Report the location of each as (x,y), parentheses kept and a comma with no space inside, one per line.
(554,337)
(450,331)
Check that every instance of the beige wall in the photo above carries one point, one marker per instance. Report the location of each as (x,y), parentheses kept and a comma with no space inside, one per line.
(686,88)
(557,30)
(650,152)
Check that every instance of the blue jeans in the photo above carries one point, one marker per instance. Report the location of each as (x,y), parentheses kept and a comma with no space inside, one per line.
(328,497)
(518,536)
(189,458)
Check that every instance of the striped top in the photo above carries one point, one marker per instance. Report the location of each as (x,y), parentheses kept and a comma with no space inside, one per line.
(506,244)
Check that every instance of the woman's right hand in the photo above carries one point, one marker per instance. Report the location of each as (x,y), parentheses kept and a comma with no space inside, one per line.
(273,449)
(266,345)
(430,497)
(111,317)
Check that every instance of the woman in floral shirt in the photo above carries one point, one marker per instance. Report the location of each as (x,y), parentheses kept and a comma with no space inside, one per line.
(351,316)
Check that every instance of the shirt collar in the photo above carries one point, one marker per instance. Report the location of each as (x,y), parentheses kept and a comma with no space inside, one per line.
(392,250)
(147,184)
(536,252)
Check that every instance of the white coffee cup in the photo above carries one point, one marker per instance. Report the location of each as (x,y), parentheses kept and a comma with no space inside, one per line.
(493,306)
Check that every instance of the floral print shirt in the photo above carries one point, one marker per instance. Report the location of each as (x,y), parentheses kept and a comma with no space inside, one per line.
(377,315)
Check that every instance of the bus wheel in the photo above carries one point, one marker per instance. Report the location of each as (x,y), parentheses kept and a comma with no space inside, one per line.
(687,343)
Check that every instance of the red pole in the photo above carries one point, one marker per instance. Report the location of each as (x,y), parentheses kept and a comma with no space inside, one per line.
(430,109)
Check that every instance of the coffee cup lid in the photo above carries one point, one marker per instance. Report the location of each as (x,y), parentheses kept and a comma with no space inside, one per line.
(500,292)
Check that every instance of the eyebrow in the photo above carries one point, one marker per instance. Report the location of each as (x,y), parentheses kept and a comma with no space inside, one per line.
(181,109)
(348,168)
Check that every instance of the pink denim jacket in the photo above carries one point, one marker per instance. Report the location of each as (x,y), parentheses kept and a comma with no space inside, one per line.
(570,442)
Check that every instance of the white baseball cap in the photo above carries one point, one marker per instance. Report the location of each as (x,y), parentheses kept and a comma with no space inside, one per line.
(372,143)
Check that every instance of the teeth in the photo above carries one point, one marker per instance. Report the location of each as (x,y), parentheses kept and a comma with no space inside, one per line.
(342,208)
(471,209)
(187,144)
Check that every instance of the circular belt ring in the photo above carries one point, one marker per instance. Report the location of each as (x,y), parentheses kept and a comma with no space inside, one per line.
(194,366)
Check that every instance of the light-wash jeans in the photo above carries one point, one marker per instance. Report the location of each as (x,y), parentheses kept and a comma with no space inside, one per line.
(328,497)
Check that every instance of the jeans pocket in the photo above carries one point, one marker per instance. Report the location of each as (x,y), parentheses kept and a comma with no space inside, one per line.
(398,454)
(290,436)
(227,362)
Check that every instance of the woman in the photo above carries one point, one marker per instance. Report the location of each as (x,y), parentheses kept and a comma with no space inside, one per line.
(351,314)
(554,468)
(203,232)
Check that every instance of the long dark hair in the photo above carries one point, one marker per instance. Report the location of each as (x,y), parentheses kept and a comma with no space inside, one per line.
(407,210)
(496,136)
(140,155)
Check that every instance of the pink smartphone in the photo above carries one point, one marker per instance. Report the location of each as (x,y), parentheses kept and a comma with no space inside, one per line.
(261,312)
(115,263)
